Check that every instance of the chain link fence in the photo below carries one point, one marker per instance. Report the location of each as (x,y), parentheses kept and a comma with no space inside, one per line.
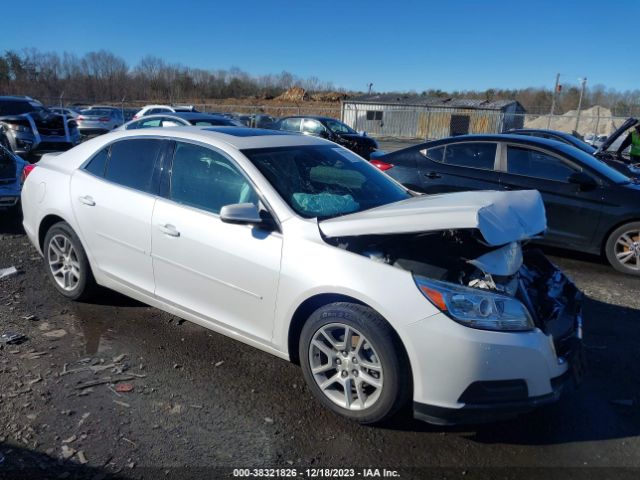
(400,122)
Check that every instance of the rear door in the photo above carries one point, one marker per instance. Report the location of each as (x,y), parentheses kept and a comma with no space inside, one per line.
(113,198)
(573,214)
(458,167)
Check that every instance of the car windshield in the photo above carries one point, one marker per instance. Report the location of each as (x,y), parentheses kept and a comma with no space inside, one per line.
(325,181)
(594,164)
(584,146)
(339,127)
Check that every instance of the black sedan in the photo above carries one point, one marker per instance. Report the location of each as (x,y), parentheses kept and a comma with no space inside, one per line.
(603,153)
(331,129)
(591,207)
(179,119)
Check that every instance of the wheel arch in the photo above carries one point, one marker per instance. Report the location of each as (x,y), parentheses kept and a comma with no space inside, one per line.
(610,230)
(310,305)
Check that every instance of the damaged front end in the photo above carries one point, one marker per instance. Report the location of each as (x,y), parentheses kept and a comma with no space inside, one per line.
(501,288)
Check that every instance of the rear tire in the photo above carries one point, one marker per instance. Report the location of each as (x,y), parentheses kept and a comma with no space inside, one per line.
(623,248)
(67,264)
(364,377)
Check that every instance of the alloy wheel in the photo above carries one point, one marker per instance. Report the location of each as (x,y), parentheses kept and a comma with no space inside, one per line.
(63,262)
(627,249)
(346,366)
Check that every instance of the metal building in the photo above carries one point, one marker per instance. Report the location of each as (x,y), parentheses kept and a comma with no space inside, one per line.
(416,116)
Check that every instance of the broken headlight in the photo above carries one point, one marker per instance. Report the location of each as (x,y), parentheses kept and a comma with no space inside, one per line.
(476,308)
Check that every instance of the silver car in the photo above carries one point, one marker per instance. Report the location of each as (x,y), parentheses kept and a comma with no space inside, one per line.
(98,120)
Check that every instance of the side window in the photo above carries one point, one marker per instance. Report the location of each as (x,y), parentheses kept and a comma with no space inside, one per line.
(472,154)
(132,161)
(291,124)
(312,126)
(204,178)
(97,163)
(533,163)
(436,153)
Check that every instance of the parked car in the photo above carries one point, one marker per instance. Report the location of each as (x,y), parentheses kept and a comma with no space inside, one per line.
(180,119)
(27,127)
(590,206)
(602,151)
(13,171)
(257,121)
(69,112)
(96,121)
(156,109)
(331,129)
(297,246)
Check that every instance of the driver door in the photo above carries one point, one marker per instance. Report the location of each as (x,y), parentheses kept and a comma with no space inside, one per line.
(573,214)
(225,273)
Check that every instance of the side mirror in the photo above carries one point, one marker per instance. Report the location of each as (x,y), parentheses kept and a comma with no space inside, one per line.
(583,180)
(241,213)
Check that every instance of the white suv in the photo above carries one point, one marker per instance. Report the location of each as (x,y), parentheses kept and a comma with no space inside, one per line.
(299,247)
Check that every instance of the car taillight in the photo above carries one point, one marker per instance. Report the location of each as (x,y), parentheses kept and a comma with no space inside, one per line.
(80,117)
(135,117)
(104,119)
(384,166)
(26,171)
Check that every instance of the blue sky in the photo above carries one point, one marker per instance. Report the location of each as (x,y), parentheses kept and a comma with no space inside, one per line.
(397,45)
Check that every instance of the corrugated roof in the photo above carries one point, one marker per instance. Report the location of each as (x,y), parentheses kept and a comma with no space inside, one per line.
(419,100)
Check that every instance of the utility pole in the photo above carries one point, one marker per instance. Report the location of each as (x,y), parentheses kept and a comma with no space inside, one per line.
(584,82)
(553,100)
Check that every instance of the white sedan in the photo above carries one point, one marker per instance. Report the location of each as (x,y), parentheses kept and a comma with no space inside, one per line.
(299,247)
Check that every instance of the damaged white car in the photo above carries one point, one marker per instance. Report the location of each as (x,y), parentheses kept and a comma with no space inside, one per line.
(299,247)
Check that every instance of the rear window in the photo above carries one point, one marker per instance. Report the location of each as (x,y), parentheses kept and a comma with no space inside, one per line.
(132,162)
(16,107)
(97,112)
(472,154)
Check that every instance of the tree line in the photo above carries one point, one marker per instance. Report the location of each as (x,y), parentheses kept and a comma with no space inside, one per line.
(104,77)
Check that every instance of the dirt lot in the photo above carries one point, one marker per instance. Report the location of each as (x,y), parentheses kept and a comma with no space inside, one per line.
(202,400)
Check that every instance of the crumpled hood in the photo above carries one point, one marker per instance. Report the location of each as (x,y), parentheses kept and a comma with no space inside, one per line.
(501,217)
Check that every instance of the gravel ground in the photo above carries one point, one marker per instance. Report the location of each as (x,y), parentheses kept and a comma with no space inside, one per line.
(199,399)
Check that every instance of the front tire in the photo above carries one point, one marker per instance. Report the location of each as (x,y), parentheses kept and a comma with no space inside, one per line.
(354,363)
(623,248)
(67,264)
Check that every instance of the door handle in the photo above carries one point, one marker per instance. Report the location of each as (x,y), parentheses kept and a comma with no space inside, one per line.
(169,229)
(433,175)
(87,200)
(507,187)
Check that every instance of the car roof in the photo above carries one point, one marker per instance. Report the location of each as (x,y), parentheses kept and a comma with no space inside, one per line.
(186,116)
(315,117)
(16,98)
(540,130)
(237,137)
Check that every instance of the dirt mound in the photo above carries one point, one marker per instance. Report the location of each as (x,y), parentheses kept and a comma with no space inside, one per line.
(329,96)
(598,120)
(294,94)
